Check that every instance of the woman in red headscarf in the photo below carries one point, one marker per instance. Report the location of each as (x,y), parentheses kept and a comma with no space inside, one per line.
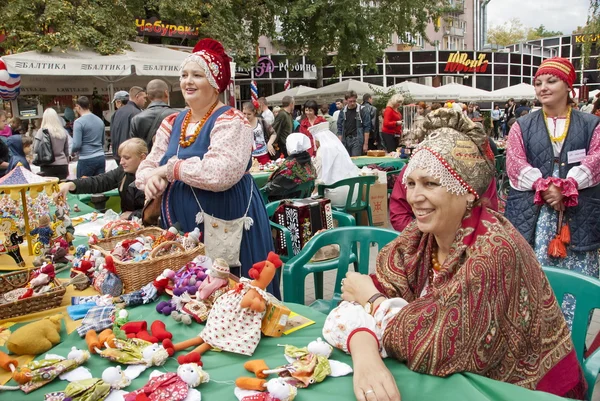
(553,162)
(199,164)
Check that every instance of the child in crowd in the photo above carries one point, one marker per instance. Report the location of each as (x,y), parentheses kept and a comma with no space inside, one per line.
(20,147)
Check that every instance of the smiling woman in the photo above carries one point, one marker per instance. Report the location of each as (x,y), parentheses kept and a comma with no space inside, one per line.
(553,159)
(197,170)
(460,290)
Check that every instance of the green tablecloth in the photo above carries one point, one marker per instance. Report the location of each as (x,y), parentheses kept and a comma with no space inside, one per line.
(226,367)
(361,161)
(86,198)
(261,178)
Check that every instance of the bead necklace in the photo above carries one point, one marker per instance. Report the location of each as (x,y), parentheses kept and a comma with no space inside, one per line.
(434,260)
(564,134)
(187,142)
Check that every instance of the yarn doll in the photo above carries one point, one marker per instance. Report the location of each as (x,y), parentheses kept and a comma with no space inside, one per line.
(36,374)
(218,278)
(235,319)
(82,388)
(172,386)
(277,390)
(43,230)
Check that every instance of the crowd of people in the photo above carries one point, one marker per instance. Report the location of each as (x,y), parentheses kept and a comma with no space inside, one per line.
(439,300)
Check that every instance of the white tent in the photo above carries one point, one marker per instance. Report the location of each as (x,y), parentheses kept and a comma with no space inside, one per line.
(80,71)
(417,91)
(298,90)
(517,92)
(461,93)
(331,92)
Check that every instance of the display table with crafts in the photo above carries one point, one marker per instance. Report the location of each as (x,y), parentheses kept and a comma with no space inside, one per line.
(361,161)
(224,368)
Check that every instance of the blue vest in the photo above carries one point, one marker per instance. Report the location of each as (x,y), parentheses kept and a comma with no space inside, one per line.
(584,218)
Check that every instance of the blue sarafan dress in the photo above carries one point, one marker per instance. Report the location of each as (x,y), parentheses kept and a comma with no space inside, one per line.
(179,204)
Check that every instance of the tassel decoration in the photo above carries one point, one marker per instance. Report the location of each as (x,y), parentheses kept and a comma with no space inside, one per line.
(248,222)
(565,234)
(557,248)
(199,217)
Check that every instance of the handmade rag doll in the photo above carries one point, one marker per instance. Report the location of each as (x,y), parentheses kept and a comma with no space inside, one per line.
(83,387)
(235,319)
(276,390)
(36,374)
(172,386)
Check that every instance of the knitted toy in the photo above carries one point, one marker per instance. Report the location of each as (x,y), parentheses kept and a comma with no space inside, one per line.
(192,239)
(305,366)
(35,338)
(276,390)
(36,374)
(84,387)
(172,386)
(43,230)
(235,320)
(139,330)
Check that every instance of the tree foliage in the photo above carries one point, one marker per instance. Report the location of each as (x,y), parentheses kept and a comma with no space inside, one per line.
(541,32)
(507,34)
(105,25)
(354,32)
(41,25)
(592,28)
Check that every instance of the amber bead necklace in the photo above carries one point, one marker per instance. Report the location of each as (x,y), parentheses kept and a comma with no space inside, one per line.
(184,143)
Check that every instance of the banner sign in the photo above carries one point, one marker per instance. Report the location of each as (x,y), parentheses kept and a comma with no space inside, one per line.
(589,38)
(155,27)
(460,62)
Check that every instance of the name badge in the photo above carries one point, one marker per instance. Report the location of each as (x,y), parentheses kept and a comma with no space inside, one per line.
(575,156)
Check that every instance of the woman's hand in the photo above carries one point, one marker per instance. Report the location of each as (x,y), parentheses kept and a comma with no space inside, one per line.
(160,171)
(358,287)
(271,149)
(65,187)
(553,197)
(125,215)
(373,381)
(155,186)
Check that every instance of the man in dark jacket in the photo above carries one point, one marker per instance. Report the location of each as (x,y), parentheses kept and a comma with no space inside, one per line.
(354,126)
(374,139)
(284,123)
(145,124)
(120,123)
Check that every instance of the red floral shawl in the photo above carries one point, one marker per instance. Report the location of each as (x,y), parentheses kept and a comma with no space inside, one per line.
(491,310)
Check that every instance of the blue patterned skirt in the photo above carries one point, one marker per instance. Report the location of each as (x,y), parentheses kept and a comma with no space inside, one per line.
(581,262)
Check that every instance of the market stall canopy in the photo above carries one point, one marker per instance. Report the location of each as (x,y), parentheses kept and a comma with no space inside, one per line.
(517,92)
(461,93)
(298,90)
(331,92)
(78,72)
(416,91)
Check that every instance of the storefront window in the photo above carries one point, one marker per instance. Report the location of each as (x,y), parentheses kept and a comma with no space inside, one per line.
(515,70)
(374,80)
(424,69)
(526,71)
(397,69)
(565,51)
(515,58)
(403,57)
(527,59)
(423,57)
(500,57)
(484,83)
(577,51)
(500,82)
(500,69)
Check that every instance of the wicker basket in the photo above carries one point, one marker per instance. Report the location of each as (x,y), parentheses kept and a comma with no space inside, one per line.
(135,275)
(48,300)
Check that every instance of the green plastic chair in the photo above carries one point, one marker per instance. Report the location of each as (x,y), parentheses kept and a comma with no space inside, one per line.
(296,270)
(303,190)
(343,220)
(361,186)
(586,291)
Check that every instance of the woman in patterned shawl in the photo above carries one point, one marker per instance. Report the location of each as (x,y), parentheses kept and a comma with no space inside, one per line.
(460,290)
(295,170)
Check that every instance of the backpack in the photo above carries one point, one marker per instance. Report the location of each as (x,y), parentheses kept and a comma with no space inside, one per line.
(44,154)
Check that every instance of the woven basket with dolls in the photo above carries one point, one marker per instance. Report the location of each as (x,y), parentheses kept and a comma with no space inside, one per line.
(140,256)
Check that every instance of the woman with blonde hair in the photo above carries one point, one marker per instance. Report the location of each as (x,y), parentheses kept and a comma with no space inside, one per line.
(131,152)
(392,122)
(52,125)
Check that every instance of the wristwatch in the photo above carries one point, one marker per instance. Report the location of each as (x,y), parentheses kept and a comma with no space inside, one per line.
(369,305)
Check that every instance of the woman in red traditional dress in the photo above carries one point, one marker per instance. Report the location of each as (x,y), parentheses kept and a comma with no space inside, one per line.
(460,290)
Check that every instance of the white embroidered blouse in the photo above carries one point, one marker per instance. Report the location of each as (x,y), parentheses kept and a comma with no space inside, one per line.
(223,165)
